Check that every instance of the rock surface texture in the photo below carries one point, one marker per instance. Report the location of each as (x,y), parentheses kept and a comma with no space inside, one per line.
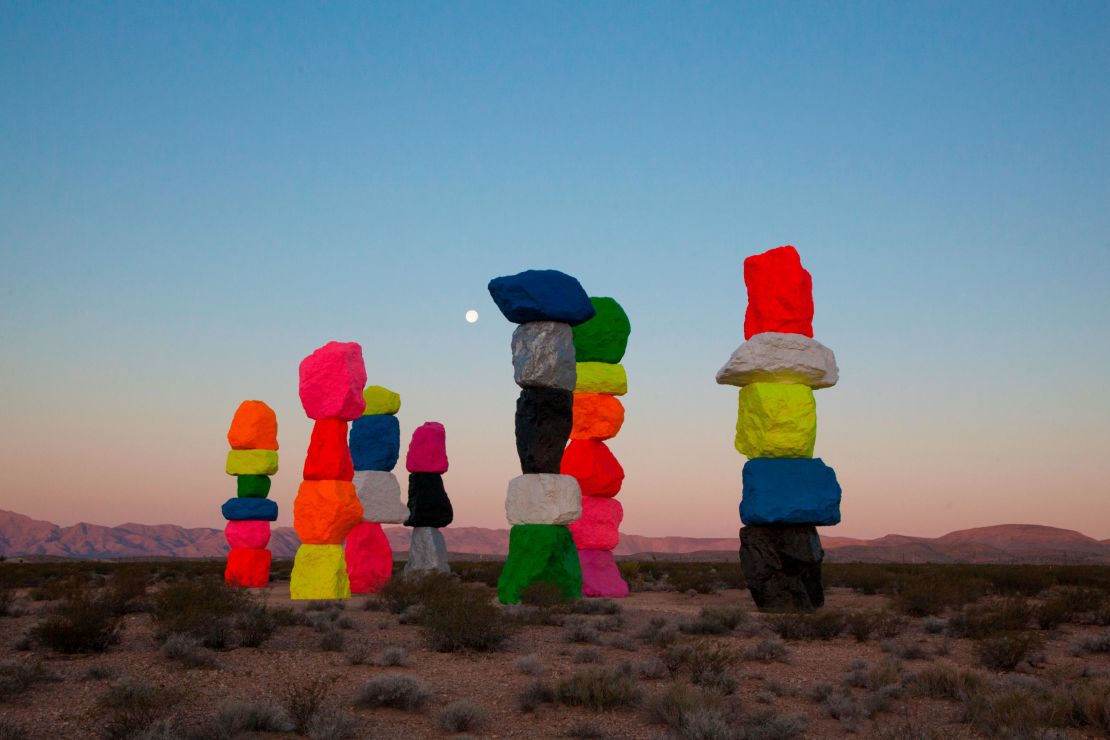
(368,557)
(319,572)
(248,567)
(776,420)
(601,578)
(251,462)
(254,427)
(543,355)
(772,357)
(543,422)
(782,566)
(599,526)
(543,498)
(249,509)
(594,466)
(328,456)
(428,503)
(428,552)
(600,377)
(375,442)
(325,510)
(596,416)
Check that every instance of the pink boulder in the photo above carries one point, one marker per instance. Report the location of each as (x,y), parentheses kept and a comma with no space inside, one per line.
(597,528)
(332,379)
(369,558)
(600,576)
(428,449)
(247,533)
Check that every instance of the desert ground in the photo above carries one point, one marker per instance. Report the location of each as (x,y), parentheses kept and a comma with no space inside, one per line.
(163,650)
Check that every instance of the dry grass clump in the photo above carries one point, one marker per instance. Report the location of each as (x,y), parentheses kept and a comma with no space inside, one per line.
(303,700)
(767,650)
(1005,652)
(979,621)
(20,676)
(708,664)
(715,620)
(82,622)
(536,694)
(132,707)
(880,623)
(822,625)
(463,617)
(658,632)
(393,690)
(187,650)
(461,716)
(581,631)
(236,718)
(401,593)
(1091,645)
(600,689)
(529,665)
(204,608)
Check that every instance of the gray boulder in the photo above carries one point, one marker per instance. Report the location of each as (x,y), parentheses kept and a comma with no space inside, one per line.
(774,357)
(543,355)
(379,492)
(428,551)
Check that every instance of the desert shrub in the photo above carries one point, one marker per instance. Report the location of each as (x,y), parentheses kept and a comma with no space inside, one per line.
(823,625)
(462,617)
(880,700)
(1004,652)
(82,622)
(1004,710)
(330,724)
(187,650)
(622,642)
(133,706)
(393,690)
(201,607)
(536,694)
(652,668)
(485,572)
(708,664)
(236,718)
(910,731)
(401,593)
(393,656)
(7,602)
(581,631)
(905,649)
(861,577)
(946,681)
(768,650)
(543,595)
(19,676)
(585,730)
(600,689)
(127,588)
(529,665)
(461,716)
(1089,645)
(100,672)
(674,705)
(332,641)
(588,655)
(982,620)
(255,625)
(609,623)
(658,631)
(12,730)
(715,620)
(934,625)
(926,595)
(820,691)
(592,606)
(883,624)
(533,615)
(303,700)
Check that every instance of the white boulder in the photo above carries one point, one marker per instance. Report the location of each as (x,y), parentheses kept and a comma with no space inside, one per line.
(773,357)
(380,495)
(543,498)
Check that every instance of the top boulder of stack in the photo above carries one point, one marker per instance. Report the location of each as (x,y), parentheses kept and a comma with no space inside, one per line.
(603,338)
(541,295)
(780,293)
(254,427)
(380,400)
(331,382)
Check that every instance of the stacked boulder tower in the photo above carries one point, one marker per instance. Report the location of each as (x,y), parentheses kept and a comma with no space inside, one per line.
(327,507)
(252,460)
(787,492)
(375,444)
(599,345)
(542,502)
(429,508)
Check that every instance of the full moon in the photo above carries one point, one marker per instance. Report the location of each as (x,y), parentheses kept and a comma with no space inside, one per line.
(471,316)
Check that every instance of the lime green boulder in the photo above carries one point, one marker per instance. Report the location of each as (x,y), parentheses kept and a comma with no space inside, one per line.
(252,462)
(776,420)
(319,572)
(253,486)
(540,553)
(601,377)
(603,338)
(380,400)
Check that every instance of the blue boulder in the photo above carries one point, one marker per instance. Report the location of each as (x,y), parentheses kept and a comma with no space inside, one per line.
(250,509)
(375,442)
(787,490)
(541,295)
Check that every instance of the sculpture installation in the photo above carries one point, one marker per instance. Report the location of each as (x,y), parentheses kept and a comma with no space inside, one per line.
(252,460)
(429,507)
(787,492)
(326,508)
(599,346)
(542,501)
(375,444)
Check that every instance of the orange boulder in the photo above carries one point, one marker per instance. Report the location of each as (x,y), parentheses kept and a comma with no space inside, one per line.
(254,427)
(325,511)
(596,416)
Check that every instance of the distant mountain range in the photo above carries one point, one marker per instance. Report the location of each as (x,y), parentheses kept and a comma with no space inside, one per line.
(21,536)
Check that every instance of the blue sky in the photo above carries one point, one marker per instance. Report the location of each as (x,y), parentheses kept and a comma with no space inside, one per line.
(194,196)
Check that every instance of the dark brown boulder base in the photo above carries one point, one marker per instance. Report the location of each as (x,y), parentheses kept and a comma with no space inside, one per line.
(782,565)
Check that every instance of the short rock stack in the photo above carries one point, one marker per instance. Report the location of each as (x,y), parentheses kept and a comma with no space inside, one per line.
(252,460)
(542,502)
(787,492)
(375,446)
(599,346)
(327,508)
(429,507)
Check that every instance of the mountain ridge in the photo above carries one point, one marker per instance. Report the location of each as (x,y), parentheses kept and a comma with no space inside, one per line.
(22,536)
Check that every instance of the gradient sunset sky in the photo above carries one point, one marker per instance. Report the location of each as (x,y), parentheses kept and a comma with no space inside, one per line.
(193,196)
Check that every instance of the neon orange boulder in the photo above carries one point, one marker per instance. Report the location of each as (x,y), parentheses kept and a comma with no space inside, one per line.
(254,427)
(780,293)
(329,457)
(369,558)
(596,416)
(248,567)
(593,465)
(325,510)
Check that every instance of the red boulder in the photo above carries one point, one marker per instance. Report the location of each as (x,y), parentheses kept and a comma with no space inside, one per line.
(593,465)
(780,293)
(329,457)
(369,558)
(248,567)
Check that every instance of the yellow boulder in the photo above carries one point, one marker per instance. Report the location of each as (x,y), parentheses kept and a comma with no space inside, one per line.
(252,462)
(319,572)
(380,400)
(601,377)
(776,420)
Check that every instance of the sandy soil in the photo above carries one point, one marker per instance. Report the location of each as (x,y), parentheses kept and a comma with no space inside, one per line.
(66,708)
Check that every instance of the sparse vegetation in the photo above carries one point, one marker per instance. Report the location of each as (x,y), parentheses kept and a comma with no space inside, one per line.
(393,690)
(822,625)
(82,622)
(600,689)
(461,716)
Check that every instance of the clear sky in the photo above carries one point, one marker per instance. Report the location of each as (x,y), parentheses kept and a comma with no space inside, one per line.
(193,196)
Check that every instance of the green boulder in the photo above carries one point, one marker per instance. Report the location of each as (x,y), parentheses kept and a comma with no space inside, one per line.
(540,553)
(603,338)
(253,486)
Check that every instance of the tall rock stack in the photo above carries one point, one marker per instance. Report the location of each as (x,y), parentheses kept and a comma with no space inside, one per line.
(327,507)
(375,446)
(542,502)
(599,346)
(787,492)
(429,507)
(252,460)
